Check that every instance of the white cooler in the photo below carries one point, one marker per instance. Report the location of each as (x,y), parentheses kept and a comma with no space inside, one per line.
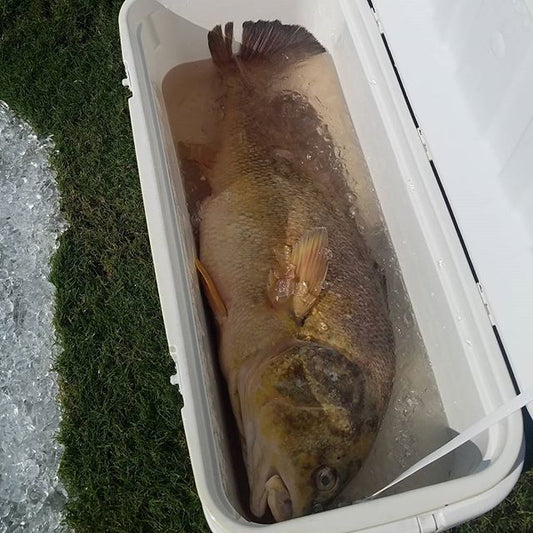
(447,134)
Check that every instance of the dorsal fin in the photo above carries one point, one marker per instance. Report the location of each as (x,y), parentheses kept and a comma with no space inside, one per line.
(274,40)
(266,40)
(220,44)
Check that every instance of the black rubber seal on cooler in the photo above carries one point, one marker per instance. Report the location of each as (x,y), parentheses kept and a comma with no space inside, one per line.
(506,359)
(454,220)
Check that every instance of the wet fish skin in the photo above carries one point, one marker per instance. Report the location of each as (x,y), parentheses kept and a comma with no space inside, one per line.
(308,393)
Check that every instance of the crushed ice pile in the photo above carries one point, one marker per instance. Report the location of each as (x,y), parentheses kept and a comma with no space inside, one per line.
(31,497)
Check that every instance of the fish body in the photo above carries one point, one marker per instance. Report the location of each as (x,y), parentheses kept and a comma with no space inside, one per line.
(305,342)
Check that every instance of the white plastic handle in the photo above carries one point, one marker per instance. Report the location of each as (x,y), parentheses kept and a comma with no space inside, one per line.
(475,429)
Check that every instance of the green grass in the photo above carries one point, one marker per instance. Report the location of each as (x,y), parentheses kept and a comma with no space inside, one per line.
(125,463)
(513,515)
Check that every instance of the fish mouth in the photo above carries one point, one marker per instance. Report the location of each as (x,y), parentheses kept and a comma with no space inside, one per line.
(275,495)
(278,498)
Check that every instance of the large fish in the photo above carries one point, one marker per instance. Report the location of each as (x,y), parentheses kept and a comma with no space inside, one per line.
(305,341)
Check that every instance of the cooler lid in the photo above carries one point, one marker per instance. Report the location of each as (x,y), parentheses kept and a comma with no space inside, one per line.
(467,69)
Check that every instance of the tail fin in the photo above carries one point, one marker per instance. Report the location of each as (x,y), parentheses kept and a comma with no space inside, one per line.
(269,41)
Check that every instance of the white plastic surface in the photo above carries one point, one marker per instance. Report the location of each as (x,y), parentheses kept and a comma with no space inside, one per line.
(466,360)
(467,68)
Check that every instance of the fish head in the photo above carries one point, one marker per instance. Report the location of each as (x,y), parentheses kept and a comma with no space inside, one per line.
(309,423)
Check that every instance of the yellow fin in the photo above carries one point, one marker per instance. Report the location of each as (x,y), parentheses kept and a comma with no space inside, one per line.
(310,257)
(215,300)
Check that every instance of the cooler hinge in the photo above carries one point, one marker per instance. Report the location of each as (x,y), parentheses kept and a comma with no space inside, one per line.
(376,18)
(424,143)
(485,303)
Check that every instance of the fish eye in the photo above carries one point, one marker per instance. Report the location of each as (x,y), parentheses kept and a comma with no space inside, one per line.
(326,478)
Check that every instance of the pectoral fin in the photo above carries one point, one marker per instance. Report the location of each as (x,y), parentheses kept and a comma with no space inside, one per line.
(296,279)
(310,257)
(215,300)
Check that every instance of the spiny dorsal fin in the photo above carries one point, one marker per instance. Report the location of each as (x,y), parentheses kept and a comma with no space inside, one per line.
(267,40)
(270,39)
(220,45)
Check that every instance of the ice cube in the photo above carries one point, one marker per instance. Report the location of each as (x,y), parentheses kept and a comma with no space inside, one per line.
(30,497)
